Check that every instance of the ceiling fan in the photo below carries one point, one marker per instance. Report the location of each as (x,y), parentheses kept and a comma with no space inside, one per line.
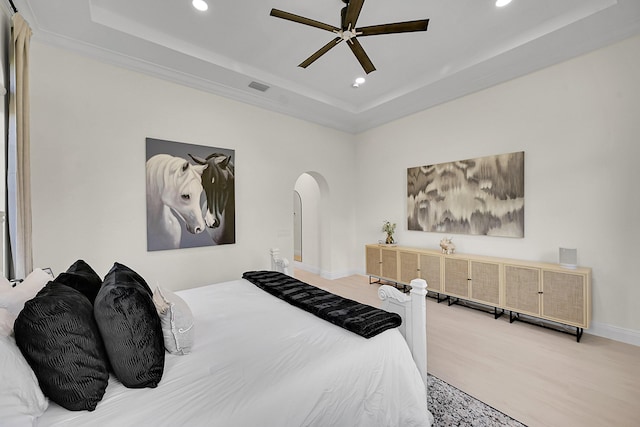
(348,31)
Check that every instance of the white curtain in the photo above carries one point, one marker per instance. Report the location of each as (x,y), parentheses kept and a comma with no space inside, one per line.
(19,169)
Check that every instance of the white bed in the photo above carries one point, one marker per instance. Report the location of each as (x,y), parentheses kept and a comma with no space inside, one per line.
(255,361)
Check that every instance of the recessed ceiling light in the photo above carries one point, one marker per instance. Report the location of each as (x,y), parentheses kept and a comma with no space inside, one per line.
(502,3)
(201,5)
(358,81)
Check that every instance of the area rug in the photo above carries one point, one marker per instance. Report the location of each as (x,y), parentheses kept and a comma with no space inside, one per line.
(453,407)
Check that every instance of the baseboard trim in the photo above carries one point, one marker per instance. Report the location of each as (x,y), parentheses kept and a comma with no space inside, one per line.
(616,333)
(333,275)
(329,275)
(308,268)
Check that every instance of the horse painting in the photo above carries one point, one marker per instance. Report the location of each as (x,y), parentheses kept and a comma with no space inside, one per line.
(219,187)
(173,194)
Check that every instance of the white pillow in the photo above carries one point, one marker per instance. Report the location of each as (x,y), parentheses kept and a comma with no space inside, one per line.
(21,400)
(5,285)
(176,320)
(13,299)
(6,322)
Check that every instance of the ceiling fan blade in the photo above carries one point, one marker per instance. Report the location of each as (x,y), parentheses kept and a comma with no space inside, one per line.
(398,27)
(351,16)
(359,52)
(324,49)
(302,20)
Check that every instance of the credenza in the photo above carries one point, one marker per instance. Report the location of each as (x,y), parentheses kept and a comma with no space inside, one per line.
(532,289)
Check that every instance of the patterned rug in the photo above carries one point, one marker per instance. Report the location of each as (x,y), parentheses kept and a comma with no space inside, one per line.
(452,407)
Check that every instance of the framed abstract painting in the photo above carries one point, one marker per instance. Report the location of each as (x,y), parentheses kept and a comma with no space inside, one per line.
(481,196)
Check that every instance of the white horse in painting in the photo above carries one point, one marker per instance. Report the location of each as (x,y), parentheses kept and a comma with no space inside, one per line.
(173,191)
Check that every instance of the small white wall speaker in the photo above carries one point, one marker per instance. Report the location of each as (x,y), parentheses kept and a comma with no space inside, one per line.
(568,257)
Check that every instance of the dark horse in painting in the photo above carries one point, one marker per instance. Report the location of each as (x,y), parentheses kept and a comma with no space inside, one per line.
(219,187)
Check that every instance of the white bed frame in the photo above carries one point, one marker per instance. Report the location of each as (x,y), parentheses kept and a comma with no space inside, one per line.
(278,263)
(412,309)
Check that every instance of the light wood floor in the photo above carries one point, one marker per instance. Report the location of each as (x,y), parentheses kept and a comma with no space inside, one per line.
(537,376)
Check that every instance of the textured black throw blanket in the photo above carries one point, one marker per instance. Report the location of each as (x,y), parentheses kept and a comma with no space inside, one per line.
(353,316)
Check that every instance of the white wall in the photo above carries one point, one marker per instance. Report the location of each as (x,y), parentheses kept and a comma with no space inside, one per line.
(579,125)
(89,124)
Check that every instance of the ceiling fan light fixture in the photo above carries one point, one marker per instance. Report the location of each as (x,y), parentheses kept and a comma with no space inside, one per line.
(200,5)
(502,3)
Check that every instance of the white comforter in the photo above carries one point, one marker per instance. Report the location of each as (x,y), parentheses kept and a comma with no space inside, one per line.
(257,361)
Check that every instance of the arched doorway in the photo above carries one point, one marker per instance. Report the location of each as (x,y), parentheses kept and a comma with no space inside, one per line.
(311,234)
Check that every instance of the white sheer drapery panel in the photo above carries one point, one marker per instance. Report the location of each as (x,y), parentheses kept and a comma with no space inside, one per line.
(19,169)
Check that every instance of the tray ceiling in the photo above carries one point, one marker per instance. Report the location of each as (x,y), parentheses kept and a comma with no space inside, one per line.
(470,45)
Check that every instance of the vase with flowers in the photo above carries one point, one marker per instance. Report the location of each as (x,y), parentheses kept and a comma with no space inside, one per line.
(389,228)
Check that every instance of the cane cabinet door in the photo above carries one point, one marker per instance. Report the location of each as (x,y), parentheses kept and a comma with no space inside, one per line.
(389,266)
(373,261)
(564,296)
(431,271)
(485,282)
(409,267)
(522,287)
(456,277)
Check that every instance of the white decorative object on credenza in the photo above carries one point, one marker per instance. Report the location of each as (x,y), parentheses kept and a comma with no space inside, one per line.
(447,245)
(568,258)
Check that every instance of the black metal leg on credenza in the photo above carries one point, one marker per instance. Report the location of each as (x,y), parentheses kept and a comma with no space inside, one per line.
(437,296)
(400,286)
(516,316)
(446,297)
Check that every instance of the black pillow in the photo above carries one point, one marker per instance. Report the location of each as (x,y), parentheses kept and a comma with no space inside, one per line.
(83,278)
(58,336)
(130,328)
